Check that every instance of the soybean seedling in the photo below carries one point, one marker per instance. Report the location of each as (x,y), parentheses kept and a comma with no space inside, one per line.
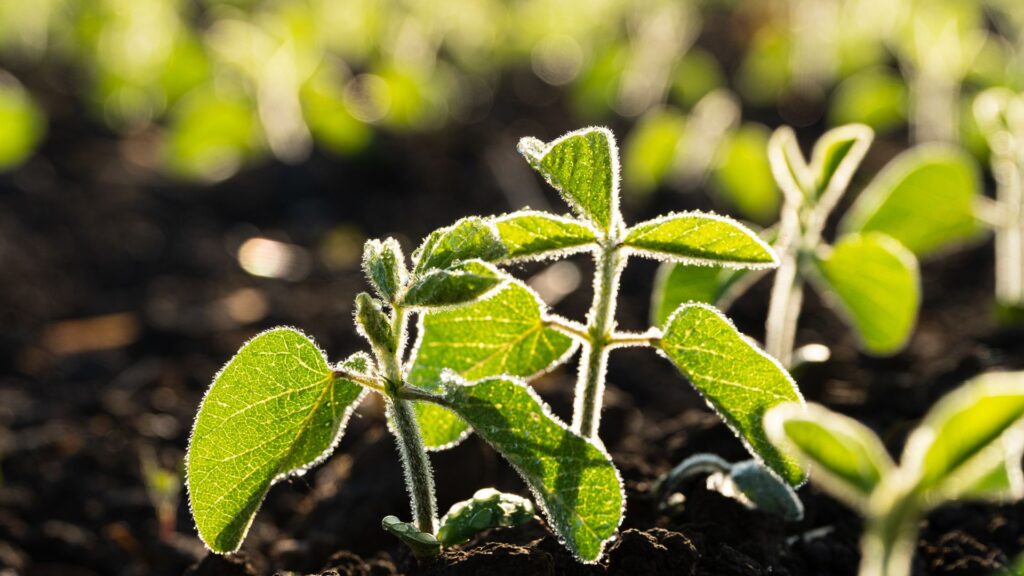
(930,198)
(968,447)
(278,408)
(513,333)
(871,278)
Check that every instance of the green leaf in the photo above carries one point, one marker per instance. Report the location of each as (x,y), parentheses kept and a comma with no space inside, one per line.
(372,323)
(502,335)
(958,445)
(743,176)
(275,410)
(876,284)
(681,283)
(835,158)
(421,544)
(470,238)
(698,238)
(23,124)
(384,266)
(737,379)
(651,149)
(487,509)
(584,167)
(875,96)
(462,283)
(573,480)
(846,458)
(532,235)
(924,198)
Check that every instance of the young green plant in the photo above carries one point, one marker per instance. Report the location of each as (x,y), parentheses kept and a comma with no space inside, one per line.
(278,408)
(871,277)
(513,332)
(968,447)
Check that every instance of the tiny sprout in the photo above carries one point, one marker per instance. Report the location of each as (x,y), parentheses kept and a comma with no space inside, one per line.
(421,544)
(748,482)
(968,447)
(488,508)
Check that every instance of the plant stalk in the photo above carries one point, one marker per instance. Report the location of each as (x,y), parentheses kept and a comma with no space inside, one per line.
(419,478)
(787,291)
(1007,171)
(608,264)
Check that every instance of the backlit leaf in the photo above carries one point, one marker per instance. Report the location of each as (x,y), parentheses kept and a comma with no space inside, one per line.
(876,283)
(844,456)
(584,167)
(924,198)
(459,284)
(470,238)
(698,238)
(743,175)
(488,508)
(736,378)
(835,158)
(275,410)
(681,283)
(573,481)
(532,235)
(501,335)
(958,443)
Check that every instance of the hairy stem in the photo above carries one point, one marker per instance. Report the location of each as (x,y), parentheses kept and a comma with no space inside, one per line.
(608,264)
(1010,233)
(934,107)
(787,291)
(419,478)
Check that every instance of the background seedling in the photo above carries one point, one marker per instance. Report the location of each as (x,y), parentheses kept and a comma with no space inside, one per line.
(487,509)
(871,277)
(279,407)
(513,333)
(968,446)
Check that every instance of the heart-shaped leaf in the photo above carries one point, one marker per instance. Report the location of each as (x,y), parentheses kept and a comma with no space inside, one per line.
(573,480)
(876,283)
(275,410)
(504,334)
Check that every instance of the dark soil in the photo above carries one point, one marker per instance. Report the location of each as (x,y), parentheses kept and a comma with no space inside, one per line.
(87,234)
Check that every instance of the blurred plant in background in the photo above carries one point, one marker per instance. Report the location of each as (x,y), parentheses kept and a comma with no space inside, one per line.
(222,83)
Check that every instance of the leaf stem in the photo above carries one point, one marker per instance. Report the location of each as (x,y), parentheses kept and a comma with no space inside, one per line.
(1007,170)
(609,261)
(419,478)
(787,290)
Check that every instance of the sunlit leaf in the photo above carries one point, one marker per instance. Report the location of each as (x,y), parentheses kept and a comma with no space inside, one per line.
(573,481)
(876,284)
(844,456)
(651,148)
(743,175)
(584,167)
(502,335)
(533,235)
(471,238)
(22,125)
(681,283)
(737,379)
(698,238)
(275,410)
(958,444)
(876,97)
(459,284)
(924,198)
